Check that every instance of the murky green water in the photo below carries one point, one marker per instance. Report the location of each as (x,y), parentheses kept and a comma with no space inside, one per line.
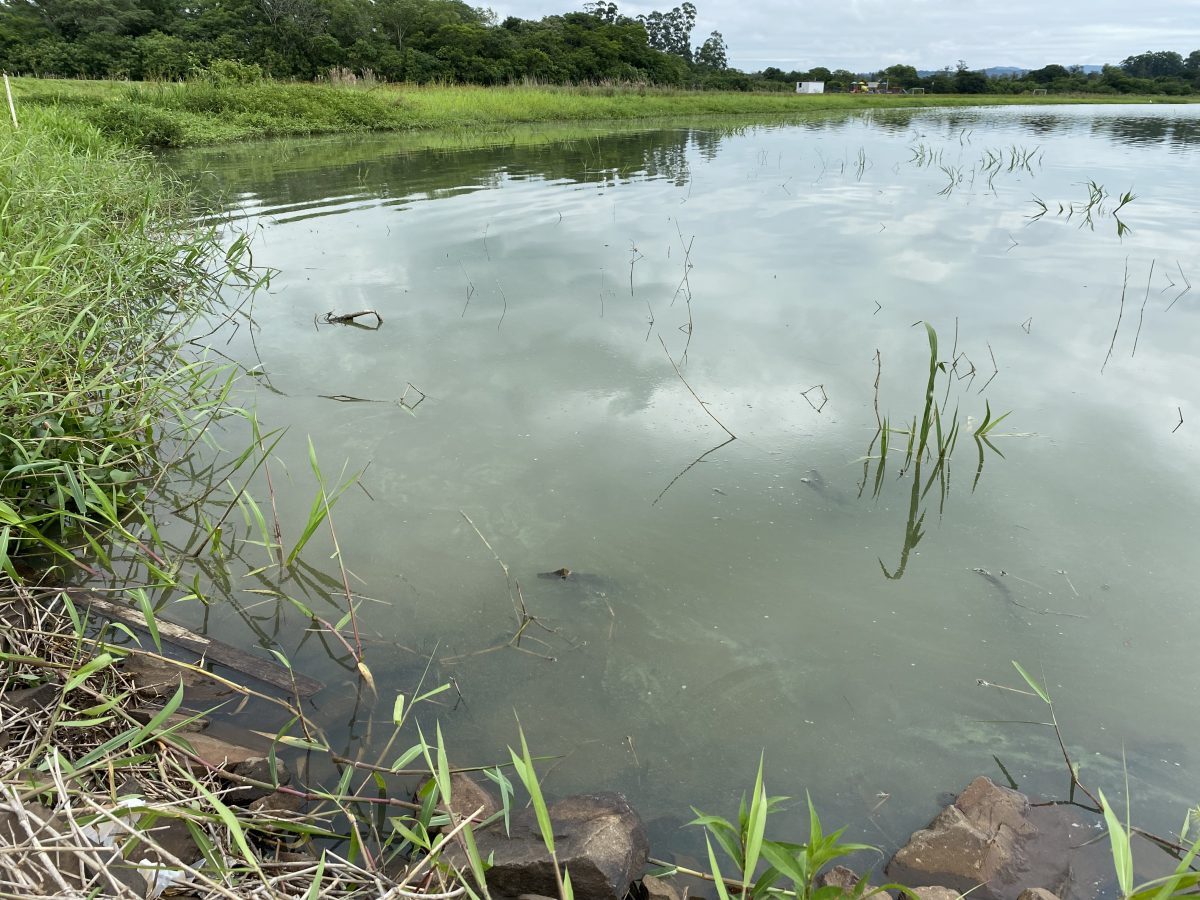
(747,599)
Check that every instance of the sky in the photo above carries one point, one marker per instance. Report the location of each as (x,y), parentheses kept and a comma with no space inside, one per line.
(866,35)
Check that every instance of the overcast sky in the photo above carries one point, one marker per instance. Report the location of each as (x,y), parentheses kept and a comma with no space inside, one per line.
(864,35)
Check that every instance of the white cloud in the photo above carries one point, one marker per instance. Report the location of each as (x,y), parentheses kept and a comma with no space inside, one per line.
(869,34)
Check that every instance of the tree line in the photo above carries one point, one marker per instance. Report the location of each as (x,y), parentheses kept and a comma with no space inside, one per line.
(1154,72)
(396,40)
(449,40)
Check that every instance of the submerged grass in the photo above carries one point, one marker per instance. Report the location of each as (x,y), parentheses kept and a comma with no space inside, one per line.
(204,112)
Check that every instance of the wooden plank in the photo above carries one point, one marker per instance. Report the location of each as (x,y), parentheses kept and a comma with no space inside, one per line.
(264,670)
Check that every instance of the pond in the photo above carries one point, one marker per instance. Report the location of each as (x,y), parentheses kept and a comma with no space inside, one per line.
(574,327)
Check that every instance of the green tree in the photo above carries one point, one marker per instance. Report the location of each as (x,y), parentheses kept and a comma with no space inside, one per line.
(900,76)
(1154,64)
(163,56)
(713,53)
(671,32)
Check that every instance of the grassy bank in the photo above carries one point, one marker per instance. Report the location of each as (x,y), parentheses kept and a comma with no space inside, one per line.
(202,112)
(100,280)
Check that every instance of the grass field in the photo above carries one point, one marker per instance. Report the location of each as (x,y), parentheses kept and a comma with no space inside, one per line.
(200,112)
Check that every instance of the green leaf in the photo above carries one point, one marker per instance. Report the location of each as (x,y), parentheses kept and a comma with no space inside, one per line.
(314,889)
(1122,853)
(716,871)
(1037,688)
(443,766)
(756,826)
(103,661)
(528,775)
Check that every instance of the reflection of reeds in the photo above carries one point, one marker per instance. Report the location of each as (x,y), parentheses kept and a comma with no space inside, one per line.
(931,437)
(1089,209)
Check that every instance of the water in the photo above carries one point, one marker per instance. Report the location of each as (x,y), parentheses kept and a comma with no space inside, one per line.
(535,293)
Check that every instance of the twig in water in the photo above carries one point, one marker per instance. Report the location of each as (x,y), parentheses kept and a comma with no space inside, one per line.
(485,246)
(332,318)
(350,610)
(878,375)
(1064,574)
(688,468)
(1120,312)
(1180,425)
(995,368)
(1188,286)
(504,300)
(634,256)
(824,397)
(1142,312)
(404,397)
(1027,325)
(470,289)
(703,405)
(524,618)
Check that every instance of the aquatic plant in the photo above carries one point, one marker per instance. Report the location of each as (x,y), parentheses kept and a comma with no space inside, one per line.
(1183,881)
(104,279)
(931,436)
(1094,206)
(746,845)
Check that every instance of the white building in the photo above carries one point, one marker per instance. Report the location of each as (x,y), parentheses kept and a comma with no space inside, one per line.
(810,87)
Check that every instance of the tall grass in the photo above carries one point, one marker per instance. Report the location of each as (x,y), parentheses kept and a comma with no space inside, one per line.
(204,111)
(100,279)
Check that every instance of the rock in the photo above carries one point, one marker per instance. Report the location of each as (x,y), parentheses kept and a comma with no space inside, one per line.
(599,839)
(1037,894)
(989,843)
(839,877)
(278,802)
(32,699)
(171,836)
(934,892)
(218,754)
(156,677)
(659,889)
(467,795)
(846,880)
(257,768)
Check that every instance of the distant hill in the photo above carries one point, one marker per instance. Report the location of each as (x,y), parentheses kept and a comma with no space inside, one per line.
(996,71)
(1004,71)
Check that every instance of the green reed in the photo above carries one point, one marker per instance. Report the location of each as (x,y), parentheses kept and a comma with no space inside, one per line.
(102,279)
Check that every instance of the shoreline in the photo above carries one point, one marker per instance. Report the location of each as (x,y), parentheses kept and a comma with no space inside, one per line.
(154,115)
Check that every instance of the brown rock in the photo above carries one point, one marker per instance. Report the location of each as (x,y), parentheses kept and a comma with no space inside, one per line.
(599,838)
(986,843)
(170,837)
(156,677)
(660,889)
(1037,894)
(217,753)
(840,877)
(42,697)
(260,769)
(467,795)
(846,880)
(934,892)
(278,802)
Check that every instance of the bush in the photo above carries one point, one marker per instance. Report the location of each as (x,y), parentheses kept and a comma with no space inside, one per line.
(228,71)
(137,124)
